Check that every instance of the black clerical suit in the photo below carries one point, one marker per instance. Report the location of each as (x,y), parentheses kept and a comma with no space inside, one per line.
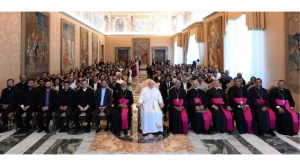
(157,79)
(115,87)
(83,98)
(164,93)
(106,103)
(262,117)
(116,117)
(21,85)
(224,83)
(239,117)
(284,120)
(9,96)
(28,97)
(98,86)
(176,125)
(65,98)
(51,103)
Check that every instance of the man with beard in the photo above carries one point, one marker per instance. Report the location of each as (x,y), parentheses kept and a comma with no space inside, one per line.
(114,86)
(178,110)
(220,108)
(47,104)
(65,103)
(41,86)
(28,104)
(122,114)
(103,104)
(201,121)
(164,92)
(8,103)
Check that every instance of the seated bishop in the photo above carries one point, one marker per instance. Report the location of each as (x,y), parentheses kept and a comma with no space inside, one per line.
(283,105)
(178,110)
(220,109)
(200,116)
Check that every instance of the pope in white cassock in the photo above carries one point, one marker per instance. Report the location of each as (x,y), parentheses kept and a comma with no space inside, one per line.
(150,104)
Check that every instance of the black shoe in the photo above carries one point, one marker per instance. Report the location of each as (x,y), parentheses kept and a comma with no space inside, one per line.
(47,130)
(66,129)
(98,129)
(62,130)
(21,131)
(221,131)
(272,133)
(165,118)
(88,129)
(77,129)
(126,133)
(260,133)
(106,128)
(4,129)
(145,135)
(117,134)
(40,130)
(26,130)
(229,132)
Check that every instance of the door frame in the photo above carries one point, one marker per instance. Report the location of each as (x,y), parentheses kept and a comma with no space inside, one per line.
(159,48)
(122,48)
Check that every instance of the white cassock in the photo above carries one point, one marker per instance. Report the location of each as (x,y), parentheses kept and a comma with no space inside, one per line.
(137,68)
(151,114)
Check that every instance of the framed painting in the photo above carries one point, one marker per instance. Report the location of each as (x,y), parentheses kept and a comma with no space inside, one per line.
(141,49)
(67,45)
(95,51)
(292,49)
(35,44)
(120,24)
(84,46)
(140,24)
(215,43)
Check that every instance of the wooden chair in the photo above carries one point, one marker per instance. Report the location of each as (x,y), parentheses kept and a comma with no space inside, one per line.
(145,84)
(251,86)
(270,88)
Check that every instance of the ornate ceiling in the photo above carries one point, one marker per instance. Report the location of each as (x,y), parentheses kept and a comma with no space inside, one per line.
(148,22)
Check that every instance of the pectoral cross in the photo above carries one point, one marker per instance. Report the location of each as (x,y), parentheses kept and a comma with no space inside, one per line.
(177,99)
(283,101)
(241,102)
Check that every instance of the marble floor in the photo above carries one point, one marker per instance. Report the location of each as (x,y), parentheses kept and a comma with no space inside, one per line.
(107,143)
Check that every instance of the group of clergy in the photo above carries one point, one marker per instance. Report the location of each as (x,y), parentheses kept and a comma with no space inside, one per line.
(82,102)
(254,111)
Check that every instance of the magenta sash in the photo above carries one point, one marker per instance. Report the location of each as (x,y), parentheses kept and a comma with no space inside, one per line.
(183,113)
(286,103)
(247,113)
(272,116)
(124,114)
(227,113)
(206,115)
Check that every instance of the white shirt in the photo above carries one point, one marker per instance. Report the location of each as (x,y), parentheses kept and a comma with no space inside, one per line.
(73,85)
(95,86)
(84,89)
(184,85)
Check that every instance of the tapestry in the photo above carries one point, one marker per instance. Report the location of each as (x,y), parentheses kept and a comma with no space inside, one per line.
(68,45)
(141,49)
(95,53)
(84,49)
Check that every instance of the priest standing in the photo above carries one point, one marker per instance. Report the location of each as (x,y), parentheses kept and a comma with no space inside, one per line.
(121,115)
(283,105)
(201,121)
(150,104)
(178,110)
(220,109)
(265,117)
(243,115)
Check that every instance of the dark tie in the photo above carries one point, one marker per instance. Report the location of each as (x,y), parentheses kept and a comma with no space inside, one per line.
(47,97)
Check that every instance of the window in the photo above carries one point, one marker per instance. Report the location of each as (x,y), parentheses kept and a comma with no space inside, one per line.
(177,54)
(243,51)
(195,50)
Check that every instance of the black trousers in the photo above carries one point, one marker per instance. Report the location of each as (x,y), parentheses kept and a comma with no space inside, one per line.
(40,117)
(57,117)
(166,102)
(76,114)
(107,114)
(5,113)
(28,117)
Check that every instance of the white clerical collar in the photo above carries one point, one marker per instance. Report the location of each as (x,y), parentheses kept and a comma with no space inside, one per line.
(84,89)
(9,88)
(66,90)
(47,89)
